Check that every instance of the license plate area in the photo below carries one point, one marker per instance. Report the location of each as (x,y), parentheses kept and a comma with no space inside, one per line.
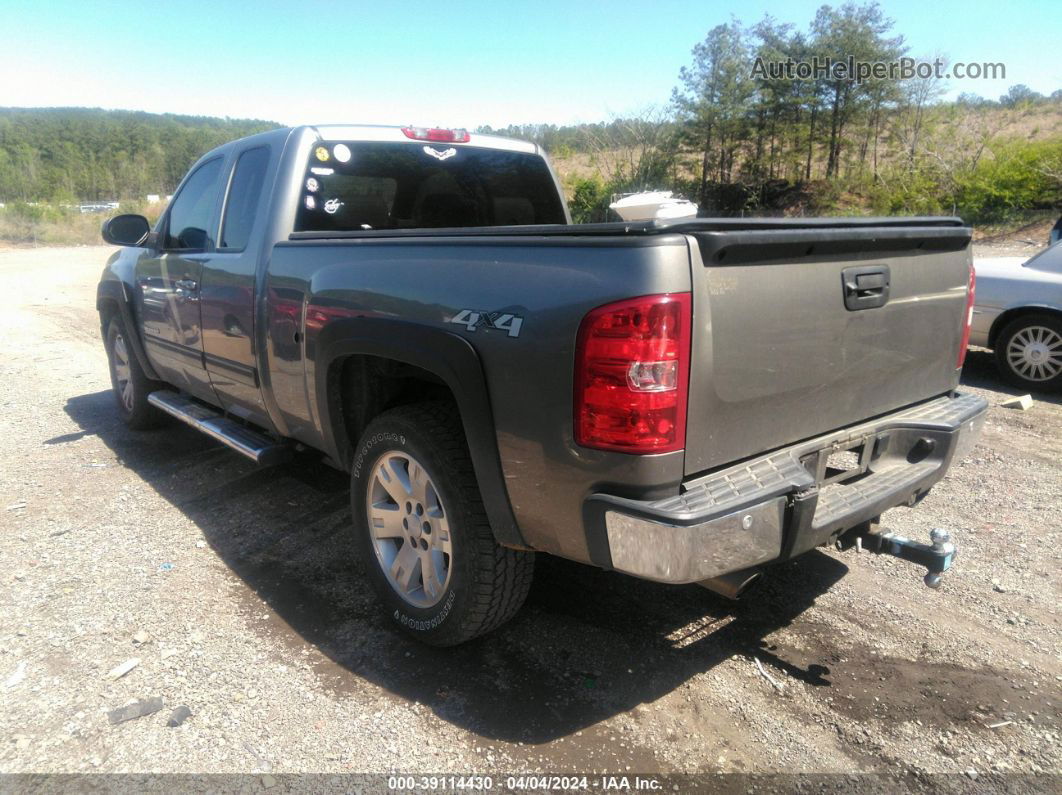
(840,463)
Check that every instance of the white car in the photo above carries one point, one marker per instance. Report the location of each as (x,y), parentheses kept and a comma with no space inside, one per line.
(1018,313)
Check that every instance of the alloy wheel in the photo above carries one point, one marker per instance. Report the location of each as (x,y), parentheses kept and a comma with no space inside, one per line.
(410,529)
(1035,353)
(123,372)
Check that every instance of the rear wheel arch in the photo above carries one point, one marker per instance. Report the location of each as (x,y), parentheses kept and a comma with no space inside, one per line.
(408,363)
(364,386)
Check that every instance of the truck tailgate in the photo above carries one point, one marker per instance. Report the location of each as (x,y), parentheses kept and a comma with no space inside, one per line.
(778,356)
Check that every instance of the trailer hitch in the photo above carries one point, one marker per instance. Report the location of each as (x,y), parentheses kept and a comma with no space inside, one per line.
(937,556)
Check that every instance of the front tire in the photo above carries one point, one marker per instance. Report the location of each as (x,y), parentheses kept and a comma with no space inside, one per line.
(422,532)
(1029,352)
(131,386)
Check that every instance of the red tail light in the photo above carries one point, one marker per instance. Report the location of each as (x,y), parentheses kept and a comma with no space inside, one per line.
(967,318)
(632,375)
(437,134)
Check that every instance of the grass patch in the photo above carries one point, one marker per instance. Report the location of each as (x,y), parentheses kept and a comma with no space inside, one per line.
(39,224)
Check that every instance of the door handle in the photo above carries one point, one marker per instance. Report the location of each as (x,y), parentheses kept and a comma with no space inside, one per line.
(865,287)
(188,289)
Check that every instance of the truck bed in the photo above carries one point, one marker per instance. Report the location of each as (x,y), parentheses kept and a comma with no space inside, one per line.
(777,357)
(654,227)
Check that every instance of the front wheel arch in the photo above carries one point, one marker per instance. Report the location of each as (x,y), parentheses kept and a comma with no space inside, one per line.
(114,296)
(129,383)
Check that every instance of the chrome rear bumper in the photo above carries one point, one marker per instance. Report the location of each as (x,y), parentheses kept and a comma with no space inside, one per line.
(784,503)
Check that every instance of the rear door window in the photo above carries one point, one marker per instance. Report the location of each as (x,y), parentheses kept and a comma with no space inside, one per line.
(245,193)
(188,225)
(361,186)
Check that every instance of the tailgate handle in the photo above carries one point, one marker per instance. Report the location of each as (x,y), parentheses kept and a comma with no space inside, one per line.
(865,287)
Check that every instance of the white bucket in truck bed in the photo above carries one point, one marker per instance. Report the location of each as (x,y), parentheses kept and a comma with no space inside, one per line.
(653,204)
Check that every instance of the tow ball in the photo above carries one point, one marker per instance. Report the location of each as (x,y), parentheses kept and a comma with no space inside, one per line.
(937,556)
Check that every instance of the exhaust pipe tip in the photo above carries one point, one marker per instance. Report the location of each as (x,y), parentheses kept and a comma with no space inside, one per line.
(734,585)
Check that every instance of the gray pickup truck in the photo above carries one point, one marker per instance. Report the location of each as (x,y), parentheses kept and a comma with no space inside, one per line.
(684,402)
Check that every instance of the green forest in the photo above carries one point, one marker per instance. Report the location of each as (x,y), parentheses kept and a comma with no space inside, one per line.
(70,155)
(728,137)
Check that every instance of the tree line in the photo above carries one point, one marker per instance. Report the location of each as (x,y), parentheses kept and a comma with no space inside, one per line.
(739,137)
(69,155)
(754,127)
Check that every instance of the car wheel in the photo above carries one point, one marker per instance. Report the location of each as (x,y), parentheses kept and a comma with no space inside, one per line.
(1029,352)
(422,533)
(131,386)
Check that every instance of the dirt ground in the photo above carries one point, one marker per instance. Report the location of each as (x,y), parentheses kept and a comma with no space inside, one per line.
(231,587)
(1023,241)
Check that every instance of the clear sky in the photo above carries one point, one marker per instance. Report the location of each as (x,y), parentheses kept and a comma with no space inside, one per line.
(451,62)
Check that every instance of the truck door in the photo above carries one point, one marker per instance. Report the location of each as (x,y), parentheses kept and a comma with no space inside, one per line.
(227,288)
(169,277)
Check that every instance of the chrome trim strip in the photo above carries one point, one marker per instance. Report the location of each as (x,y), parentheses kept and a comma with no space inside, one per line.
(228,368)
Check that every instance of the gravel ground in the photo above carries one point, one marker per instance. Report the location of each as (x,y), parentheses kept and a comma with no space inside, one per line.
(231,589)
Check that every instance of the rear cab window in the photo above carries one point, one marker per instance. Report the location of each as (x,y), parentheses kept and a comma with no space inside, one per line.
(353,186)
(245,193)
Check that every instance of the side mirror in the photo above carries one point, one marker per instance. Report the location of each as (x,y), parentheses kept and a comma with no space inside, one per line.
(126,230)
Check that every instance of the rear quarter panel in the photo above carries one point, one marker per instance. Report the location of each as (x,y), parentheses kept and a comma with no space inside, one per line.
(550,283)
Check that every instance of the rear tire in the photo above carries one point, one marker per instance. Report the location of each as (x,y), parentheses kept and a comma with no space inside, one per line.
(131,386)
(1029,352)
(423,534)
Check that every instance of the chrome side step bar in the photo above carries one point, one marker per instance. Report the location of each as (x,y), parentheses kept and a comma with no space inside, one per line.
(257,446)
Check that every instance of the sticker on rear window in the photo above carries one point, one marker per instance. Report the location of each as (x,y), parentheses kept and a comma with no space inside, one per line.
(332,206)
(341,152)
(445,154)
(312,185)
(321,153)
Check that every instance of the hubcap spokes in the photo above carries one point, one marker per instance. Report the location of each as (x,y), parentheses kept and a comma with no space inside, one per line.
(1035,353)
(410,529)
(122,372)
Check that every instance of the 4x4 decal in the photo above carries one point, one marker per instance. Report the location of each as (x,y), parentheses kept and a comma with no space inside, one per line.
(473,319)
